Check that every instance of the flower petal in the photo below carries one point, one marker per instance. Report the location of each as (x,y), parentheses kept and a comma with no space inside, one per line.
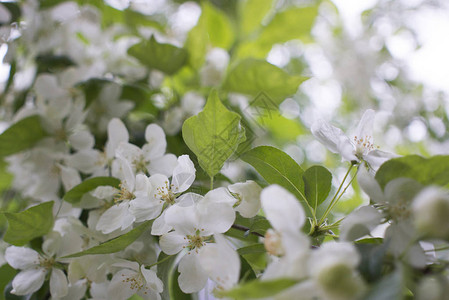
(160,227)
(21,257)
(193,277)
(172,242)
(183,174)
(249,193)
(114,218)
(327,134)
(58,284)
(163,165)
(117,133)
(156,142)
(28,281)
(282,209)
(365,127)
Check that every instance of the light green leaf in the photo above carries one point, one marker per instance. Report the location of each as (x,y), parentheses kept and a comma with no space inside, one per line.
(21,136)
(258,289)
(252,77)
(214,29)
(24,226)
(252,12)
(76,193)
(116,244)
(276,167)
(434,170)
(213,135)
(252,249)
(317,185)
(164,57)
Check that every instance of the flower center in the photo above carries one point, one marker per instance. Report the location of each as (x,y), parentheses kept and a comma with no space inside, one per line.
(136,282)
(123,195)
(195,241)
(238,197)
(273,243)
(140,164)
(363,145)
(165,193)
(46,263)
(400,210)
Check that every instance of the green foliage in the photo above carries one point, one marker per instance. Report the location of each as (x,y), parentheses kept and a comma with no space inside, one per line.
(175,290)
(164,271)
(7,273)
(254,255)
(258,289)
(163,57)
(13,9)
(76,193)
(276,167)
(116,244)
(24,226)
(253,76)
(5,177)
(252,13)
(290,24)
(434,170)
(214,29)
(213,135)
(21,136)
(389,287)
(373,255)
(317,185)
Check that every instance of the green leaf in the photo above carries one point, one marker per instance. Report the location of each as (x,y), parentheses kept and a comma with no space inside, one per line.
(434,170)
(7,274)
(213,135)
(21,136)
(252,13)
(252,77)
(76,193)
(317,185)
(14,10)
(372,259)
(258,289)
(24,226)
(276,167)
(389,287)
(116,244)
(246,271)
(164,57)
(5,177)
(164,271)
(175,291)
(140,95)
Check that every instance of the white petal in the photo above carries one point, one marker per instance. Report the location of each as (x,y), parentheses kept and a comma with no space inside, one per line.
(157,144)
(85,161)
(192,278)
(215,217)
(183,174)
(117,133)
(128,177)
(369,185)
(327,134)
(376,158)
(359,223)
(365,127)
(163,165)
(82,139)
(76,291)
(249,193)
(58,283)
(185,220)
(220,262)
(21,257)
(346,149)
(153,282)
(188,199)
(159,226)
(114,218)
(159,184)
(145,209)
(220,195)
(172,242)
(129,152)
(282,209)
(28,281)
(69,176)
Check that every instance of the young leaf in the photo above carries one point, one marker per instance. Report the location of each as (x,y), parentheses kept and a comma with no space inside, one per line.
(434,170)
(76,193)
(213,135)
(164,57)
(258,289)
(276,167)
(21,136)
(116,244)
(29,224)
(252,76)
(252,12)
(317,184)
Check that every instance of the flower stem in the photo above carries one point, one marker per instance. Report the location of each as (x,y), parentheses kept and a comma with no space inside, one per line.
(211,183)
(335,199)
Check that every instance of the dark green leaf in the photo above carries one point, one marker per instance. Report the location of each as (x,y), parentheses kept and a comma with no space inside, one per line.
(7,273)
(52,63)
(317,185)
(14,10)
(164,271)
(164,57)
(24,226)
(246,271)
(21,136)
(76,193)
(434,170)
(213,135)
(175,290)
(252,77)
(373,256)
(116,244)
(258,289)
(276,167)
(389,287)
